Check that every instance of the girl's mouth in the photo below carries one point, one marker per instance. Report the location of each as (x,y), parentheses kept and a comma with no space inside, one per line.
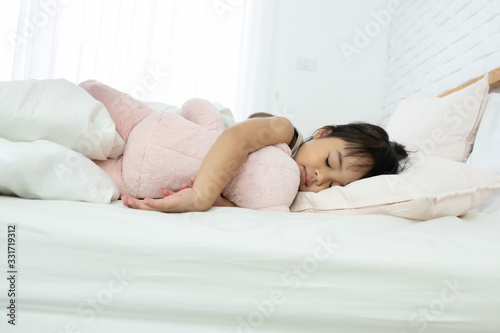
(304,177)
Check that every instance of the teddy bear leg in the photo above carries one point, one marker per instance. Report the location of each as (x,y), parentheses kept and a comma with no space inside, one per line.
(113,168)
(203,113)
(125,110)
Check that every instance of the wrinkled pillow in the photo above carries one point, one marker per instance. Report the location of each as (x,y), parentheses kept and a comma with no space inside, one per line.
(58,111)
(430,187)
(486,152)
(444,127)
(46,170)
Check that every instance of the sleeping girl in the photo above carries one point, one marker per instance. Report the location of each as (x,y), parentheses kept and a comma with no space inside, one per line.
(335,155)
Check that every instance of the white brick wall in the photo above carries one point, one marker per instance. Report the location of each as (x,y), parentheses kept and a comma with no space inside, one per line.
(436,45)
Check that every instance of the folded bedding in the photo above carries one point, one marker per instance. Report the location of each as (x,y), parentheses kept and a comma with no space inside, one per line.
(57,111)
(46,170)
(50,130)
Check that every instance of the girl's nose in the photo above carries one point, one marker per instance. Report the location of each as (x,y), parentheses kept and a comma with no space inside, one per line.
(318,176)
(323,176)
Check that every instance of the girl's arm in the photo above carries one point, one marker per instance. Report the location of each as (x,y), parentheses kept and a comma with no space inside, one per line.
(223,202)
(220,165)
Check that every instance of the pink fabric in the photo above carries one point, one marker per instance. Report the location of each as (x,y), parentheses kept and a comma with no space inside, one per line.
(164,150)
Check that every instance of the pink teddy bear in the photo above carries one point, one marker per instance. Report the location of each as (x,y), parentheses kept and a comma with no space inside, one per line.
(165,150)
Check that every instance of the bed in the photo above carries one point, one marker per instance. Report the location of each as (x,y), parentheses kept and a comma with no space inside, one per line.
(406,265)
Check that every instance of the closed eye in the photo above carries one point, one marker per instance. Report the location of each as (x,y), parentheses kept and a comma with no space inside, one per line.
(328,165)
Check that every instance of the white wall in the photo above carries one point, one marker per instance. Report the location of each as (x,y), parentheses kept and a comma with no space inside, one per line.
(338,91)
(436,45)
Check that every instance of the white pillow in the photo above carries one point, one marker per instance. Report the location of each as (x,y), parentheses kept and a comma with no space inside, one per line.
(431,187)
(486,151)
(58,111)
(443,127)
(47,170)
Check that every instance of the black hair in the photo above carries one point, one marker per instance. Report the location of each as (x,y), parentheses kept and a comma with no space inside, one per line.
(372,141)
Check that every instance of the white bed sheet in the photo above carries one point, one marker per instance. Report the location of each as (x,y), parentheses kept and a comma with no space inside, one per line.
(85,267)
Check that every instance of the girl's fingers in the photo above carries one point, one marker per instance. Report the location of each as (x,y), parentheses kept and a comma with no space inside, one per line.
(146,204)
(150,202)
(163,205)
(165,192)
(135,203)
(183,201)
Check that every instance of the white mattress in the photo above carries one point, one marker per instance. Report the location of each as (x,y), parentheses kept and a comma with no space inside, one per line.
(85,267)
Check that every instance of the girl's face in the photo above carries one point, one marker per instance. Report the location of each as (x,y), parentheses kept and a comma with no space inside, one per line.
(323,163)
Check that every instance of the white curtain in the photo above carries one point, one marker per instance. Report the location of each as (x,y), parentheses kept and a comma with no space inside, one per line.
(155,50)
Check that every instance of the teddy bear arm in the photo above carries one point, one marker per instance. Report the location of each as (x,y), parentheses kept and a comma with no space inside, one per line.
(203,113)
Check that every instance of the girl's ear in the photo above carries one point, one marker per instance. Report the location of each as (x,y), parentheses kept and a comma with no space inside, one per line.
(322,132)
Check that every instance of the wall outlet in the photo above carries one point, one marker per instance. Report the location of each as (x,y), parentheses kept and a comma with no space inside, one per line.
(306,64)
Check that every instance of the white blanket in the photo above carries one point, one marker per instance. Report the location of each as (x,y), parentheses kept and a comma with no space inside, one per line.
(58,111)
(47,170)
(49,130)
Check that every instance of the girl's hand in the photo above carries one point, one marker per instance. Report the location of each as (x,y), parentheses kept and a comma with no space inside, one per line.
(186,200)
(219,202)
